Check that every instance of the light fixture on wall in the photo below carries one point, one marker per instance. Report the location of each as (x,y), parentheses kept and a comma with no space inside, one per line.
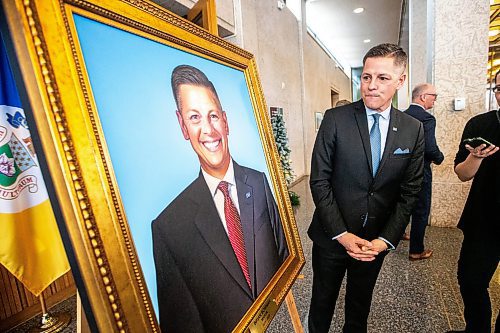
(358,10)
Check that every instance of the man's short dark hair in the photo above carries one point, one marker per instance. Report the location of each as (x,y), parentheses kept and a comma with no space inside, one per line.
(496,75)
(388,51)
(189,75)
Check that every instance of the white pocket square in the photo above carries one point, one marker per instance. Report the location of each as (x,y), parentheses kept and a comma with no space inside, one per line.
(399,151)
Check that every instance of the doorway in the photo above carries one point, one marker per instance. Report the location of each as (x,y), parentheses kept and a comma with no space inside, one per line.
(334,97)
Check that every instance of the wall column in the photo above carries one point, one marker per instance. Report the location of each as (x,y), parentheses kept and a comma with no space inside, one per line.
(449,47)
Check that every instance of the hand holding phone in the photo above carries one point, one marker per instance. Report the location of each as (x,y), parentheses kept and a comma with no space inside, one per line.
(480,147)
(477,141)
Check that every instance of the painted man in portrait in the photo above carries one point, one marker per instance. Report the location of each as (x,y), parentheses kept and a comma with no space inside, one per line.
(219,242)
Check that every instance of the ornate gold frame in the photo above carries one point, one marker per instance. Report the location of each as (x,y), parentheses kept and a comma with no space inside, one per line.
(82,176)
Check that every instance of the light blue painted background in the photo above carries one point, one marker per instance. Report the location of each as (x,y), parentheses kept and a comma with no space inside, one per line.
(130,80)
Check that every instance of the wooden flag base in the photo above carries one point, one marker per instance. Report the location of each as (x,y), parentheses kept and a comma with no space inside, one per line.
(51,323)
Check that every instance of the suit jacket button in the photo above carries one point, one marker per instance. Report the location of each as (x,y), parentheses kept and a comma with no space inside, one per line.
(371,193)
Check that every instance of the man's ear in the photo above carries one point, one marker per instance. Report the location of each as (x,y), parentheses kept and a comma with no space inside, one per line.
(401,80)
(422,98)
(182,125)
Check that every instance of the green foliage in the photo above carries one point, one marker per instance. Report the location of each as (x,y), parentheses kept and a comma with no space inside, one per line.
(294,198)
(281,138)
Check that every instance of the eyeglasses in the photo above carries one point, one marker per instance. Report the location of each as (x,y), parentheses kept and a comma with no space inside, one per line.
(435,95)
(496,89)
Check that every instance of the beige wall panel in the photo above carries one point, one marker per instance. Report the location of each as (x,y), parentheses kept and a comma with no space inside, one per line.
(296,74)
(279,62)
(447,211)
(459,63)
(321,76)
(418,43)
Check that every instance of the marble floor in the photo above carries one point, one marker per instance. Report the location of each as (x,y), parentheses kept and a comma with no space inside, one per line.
(410,297)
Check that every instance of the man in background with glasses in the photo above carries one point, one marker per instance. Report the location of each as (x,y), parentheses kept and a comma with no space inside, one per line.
(423,97)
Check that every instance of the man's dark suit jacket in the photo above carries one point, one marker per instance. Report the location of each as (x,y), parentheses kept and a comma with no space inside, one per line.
(342,184)
(432,152)
(201,287)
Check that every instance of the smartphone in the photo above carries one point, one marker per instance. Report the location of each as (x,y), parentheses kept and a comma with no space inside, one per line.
(475,142)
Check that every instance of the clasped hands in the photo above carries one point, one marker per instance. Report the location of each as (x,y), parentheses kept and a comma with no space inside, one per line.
(361,249)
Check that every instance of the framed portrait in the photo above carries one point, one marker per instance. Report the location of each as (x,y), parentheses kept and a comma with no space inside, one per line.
(318,118)
(163,169)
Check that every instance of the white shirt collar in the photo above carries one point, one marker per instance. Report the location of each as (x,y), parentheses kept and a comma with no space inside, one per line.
(385,114)
(213,182)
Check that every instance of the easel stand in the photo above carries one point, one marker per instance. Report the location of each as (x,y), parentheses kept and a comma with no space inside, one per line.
(294,314)
(51,323)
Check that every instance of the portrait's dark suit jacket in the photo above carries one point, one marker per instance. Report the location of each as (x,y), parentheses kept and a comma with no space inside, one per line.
(432,152)
(342,184)
(201,287)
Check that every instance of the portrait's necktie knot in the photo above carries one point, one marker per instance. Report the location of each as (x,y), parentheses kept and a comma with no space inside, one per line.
(234,230)
(224,188)
(375,143)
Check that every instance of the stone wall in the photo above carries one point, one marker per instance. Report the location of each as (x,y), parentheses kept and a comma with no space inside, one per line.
(459,67)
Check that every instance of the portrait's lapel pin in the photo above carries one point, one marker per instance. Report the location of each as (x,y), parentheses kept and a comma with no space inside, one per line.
(395,129)
(248,195)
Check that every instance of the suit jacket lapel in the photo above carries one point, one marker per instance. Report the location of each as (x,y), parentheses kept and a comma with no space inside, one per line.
(246,202)
(391,135)
(362,122)
(210,226)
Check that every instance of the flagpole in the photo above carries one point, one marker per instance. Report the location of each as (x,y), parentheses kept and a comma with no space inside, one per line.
(51,323)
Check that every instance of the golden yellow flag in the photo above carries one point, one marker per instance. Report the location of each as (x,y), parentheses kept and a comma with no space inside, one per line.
(30,243)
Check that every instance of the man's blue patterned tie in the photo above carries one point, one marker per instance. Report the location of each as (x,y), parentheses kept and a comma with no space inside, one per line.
(375,143)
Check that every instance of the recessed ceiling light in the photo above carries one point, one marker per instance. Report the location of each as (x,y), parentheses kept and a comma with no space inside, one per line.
(366,40)
(358,10)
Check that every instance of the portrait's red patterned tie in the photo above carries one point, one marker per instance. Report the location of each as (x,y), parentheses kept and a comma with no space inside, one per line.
(234,230)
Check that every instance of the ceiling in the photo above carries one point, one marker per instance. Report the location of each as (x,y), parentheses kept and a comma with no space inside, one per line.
(343,32)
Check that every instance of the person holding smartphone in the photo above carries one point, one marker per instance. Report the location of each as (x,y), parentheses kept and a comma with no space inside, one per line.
(478,159)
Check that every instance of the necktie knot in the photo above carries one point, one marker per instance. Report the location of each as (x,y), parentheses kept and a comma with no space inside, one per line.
(224,188)
(376,118)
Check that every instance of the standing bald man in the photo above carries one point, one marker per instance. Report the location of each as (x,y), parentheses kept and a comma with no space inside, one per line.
(423,97)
